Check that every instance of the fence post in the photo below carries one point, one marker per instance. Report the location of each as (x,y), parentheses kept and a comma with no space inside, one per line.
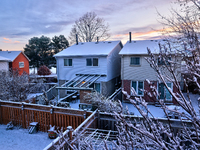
(70,136)
(23,116)
(98,118)
(85,114)
(51,116)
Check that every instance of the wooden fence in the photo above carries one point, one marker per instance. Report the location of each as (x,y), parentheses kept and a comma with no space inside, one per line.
(70,136)
(23,114)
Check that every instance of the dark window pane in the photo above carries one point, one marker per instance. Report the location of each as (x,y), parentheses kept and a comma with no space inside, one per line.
(140,88)
(70,62)
(89,62)
(67,62)
(135,61)
(134,84)
(161,91)
(168,95)
(95,61)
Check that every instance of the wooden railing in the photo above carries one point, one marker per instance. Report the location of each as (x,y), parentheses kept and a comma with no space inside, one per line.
(24,113)
(67,138)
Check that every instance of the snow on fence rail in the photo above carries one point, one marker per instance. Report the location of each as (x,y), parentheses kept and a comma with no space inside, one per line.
(23,114)
(68,137)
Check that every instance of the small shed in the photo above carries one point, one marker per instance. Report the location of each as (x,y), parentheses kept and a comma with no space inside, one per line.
(18,60)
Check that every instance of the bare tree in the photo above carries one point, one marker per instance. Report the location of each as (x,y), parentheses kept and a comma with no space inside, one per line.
(89,27)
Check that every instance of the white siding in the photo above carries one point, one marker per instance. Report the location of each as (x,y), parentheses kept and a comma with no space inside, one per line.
(114,63)
(136,73)
(79,67)
(4,66)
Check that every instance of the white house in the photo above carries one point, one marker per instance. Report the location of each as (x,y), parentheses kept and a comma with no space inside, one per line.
(90,65)
(135,69)
(4,63)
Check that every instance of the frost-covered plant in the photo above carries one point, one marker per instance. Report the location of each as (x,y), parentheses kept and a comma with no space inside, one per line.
(15,87)
(102,103)
(44,70)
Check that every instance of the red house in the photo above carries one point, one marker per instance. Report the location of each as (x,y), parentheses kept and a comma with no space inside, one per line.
(19,61)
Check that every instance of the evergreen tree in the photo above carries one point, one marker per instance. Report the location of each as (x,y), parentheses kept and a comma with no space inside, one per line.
(58,44)
(41,50)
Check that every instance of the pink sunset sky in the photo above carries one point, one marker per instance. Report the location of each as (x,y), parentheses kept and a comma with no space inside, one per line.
(21,20)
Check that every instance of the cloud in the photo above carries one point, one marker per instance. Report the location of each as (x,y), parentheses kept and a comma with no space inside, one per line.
(20,18)
(7,40)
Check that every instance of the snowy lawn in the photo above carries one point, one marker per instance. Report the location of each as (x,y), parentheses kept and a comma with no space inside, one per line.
(158,112)
(20,139)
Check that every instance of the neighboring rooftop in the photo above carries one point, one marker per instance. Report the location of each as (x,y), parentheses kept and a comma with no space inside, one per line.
(89,49)
(140,47)
(4,59)
(10,54)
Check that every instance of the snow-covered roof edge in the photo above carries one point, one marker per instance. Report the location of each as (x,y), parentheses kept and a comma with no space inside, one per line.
(87,53)
(4,59)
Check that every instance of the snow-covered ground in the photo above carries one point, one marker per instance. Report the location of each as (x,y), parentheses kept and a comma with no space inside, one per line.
(158,112)
(75,104)
(20,139)
(31,70)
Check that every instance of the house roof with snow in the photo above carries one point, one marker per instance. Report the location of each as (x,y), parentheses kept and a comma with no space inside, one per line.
(103,48)
(4,59)
(140,47)
(11,54)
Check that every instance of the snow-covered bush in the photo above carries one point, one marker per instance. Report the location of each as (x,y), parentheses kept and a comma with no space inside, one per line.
(102,103)
(15,87)
(44,70)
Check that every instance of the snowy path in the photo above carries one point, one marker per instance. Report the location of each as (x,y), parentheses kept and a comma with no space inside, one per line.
(20,139)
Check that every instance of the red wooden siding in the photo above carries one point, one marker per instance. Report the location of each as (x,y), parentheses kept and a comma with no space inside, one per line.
(21,58)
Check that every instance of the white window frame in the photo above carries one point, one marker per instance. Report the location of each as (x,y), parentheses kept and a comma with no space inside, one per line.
(92,60)
(137,89)
(67,62)
(21,64)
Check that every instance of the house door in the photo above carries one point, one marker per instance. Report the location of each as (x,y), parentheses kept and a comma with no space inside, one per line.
(164,93)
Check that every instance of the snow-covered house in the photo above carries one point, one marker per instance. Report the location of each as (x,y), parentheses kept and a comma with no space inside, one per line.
(90,65)
(18,60)
(135,70)
(4,63)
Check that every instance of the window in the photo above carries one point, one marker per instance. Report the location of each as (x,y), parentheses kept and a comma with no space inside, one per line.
(21,64)
(68,62)
(161,61)
(135,61)
(138,87)
(96,87)
(164,93)
(92,62)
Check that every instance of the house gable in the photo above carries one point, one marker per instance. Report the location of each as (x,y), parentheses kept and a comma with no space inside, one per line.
(21,63)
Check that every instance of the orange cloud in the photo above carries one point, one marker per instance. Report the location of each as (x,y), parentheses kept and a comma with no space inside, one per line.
(7,40)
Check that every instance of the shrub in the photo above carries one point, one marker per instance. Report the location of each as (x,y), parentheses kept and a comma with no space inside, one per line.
(44,70)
